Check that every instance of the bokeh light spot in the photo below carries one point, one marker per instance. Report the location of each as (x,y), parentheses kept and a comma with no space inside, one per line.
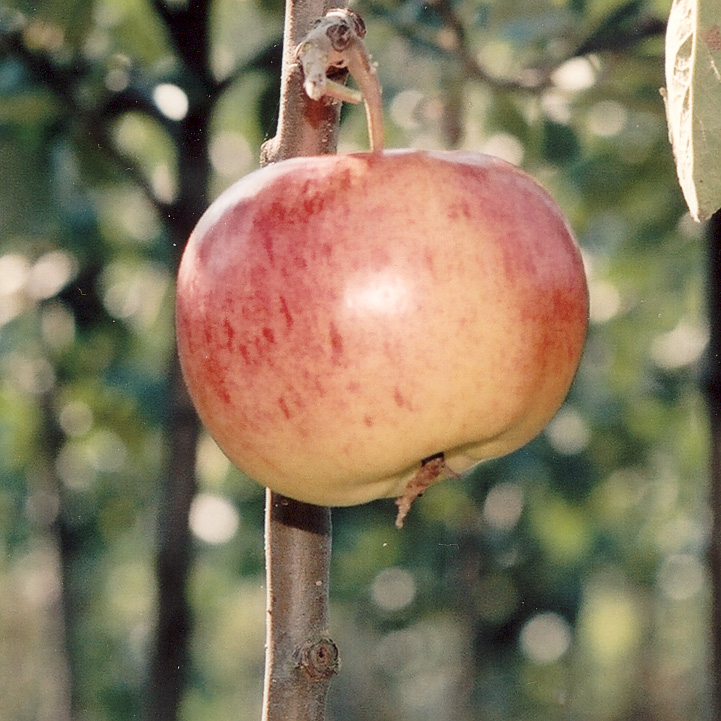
(545,638)
(393,589)
(171,101)
(503,507)
(213,519)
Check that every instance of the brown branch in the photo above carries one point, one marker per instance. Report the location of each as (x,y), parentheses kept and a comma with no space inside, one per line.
(305,126)
(300,657)
(60,678)
(188,26)
(170,650)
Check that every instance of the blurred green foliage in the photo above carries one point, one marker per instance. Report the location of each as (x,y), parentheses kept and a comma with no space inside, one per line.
(564,581)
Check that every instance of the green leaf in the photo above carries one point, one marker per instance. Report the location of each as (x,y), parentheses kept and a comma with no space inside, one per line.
(693,101)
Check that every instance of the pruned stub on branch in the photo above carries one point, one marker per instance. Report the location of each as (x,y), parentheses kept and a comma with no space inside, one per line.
(335,45)
(325,50)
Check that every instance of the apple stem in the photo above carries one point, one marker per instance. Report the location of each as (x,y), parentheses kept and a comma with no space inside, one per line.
(334,43)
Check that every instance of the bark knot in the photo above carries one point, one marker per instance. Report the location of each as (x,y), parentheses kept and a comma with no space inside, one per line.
(318,659)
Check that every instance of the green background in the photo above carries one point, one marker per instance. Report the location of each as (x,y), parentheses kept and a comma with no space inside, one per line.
(566,581)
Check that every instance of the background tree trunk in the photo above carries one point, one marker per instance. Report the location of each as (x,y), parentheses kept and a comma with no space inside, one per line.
(712,389)
(188,26)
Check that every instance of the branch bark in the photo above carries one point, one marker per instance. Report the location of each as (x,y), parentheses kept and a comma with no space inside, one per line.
(300,657)
(305,126)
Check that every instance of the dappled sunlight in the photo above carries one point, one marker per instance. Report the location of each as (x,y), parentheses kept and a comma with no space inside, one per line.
(14,270)
(575,75)
(211,464)
(23,283)
(610,627)
(681,576)
(568,432)
(681,346)
(76,418)
(607,118)
(58,328)
(34,374)
(505,146)
(231,155)
(135,293)
(49,274)
(605,301)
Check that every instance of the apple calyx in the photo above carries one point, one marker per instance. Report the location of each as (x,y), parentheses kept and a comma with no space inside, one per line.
(433,469)
(336,42)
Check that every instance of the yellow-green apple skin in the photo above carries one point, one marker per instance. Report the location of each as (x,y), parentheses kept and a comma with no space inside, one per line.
(341,318)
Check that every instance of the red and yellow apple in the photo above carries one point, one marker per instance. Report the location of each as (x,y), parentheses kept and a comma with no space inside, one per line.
(342,318)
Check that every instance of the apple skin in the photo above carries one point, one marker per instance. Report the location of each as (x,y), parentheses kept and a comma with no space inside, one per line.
(341,318)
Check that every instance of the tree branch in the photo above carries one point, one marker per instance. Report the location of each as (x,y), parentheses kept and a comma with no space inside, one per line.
(305,126)
(188,26)
(170,651)
(300,657)
(63,78)
(531,80)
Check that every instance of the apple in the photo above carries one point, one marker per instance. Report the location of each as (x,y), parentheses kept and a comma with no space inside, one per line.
(349,323)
